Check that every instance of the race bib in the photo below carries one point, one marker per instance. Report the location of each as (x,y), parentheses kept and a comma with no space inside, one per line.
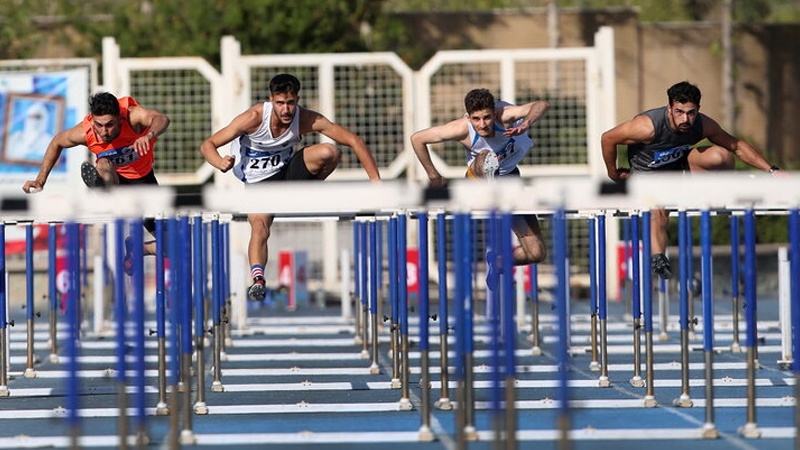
(669,156)
(120,156)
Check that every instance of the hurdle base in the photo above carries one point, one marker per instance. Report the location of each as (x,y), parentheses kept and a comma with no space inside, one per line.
(736,348)
(536,351)
(223,356)
(594,366)
(470,433)
(663,337)
(228,342)
(604,382)
(53,358)
(443,404)
(709,431)
(425,434)
(395,383)
(637,381)
(750,431)
(29,373)
(201,409)
(365,354)
(357,340)
(374,369)
(142,439)
(162,409)
(405,404)
(785,364)
(649,402)
(187,437)
(4,392)
(217,386)
(684,401)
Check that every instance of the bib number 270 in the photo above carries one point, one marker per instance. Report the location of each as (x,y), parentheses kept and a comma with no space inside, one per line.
(263,163)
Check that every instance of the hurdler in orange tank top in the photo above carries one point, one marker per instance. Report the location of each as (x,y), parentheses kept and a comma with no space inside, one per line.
(120,151)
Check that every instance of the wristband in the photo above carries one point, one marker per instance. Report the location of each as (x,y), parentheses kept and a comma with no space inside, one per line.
(772,169)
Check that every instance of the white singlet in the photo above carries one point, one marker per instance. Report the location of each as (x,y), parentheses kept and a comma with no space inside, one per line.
(509,150)
(259,155)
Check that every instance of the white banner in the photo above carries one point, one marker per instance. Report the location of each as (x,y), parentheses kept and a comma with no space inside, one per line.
(34,107)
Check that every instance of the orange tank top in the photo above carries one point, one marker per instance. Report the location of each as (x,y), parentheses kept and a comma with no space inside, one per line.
(120,151)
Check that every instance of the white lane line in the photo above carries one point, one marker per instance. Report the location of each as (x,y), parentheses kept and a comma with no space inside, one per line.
(308,437)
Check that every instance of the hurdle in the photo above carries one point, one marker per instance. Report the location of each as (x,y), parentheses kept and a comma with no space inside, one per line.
(465,361)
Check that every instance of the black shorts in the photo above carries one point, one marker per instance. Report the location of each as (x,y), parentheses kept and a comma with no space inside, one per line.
(294,170)
(150,178)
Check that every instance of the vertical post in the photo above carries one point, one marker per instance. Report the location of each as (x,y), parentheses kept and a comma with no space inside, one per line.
(750,428)
(636,289)
(425,433)
(444,402)
(594,365)
(709,428)
(684,401)
(794,260)
(138,321)
(405,370)
(394,323)
(199,267)
(374,367)
(363,268)
(52,289)
(494,312)
(735,274)
(647,302)
(470,431)
(509,333)
(120,313)
(602,299)
(561,299)
(72,299)
(30,372)
(216,305)
(4,392)
(161,332)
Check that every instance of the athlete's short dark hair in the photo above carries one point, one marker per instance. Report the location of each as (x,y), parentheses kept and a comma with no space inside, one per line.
(684,92)
(478,99)
(103,104)
(284,83)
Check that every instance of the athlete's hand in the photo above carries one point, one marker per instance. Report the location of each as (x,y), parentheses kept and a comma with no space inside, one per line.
(516,131)
(32,187)
(438,181)
(142,145)
(225,163)
(620,174)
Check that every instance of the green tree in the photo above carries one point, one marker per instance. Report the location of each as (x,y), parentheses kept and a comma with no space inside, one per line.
(180,28)
(16,38)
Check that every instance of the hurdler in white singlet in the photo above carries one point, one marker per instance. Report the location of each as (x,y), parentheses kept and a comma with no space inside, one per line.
(509,150)
(259,155)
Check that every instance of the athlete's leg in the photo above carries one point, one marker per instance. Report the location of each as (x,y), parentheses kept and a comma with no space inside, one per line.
(531,249)
(257,253)
(259,234)
(321,159)
(711,157)
(107,172)
(659,219)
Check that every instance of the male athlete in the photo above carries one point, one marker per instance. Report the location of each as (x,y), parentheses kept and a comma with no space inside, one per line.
(663,139)
(263,140)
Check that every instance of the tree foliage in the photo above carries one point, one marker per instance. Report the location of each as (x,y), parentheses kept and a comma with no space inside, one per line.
(177,27)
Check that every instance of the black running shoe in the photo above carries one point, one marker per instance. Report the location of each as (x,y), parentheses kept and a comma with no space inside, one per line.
(661,267)
(90,176)
(258,290)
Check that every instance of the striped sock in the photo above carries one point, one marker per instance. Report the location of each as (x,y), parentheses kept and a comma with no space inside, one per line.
(257,271)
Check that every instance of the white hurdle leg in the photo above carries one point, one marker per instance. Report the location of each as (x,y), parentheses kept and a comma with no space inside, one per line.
(784,307)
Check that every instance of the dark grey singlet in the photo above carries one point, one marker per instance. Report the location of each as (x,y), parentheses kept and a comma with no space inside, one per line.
(669,149)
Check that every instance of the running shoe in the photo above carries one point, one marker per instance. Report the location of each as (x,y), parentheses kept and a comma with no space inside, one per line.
(90,176)
(258,290)
(661,267)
